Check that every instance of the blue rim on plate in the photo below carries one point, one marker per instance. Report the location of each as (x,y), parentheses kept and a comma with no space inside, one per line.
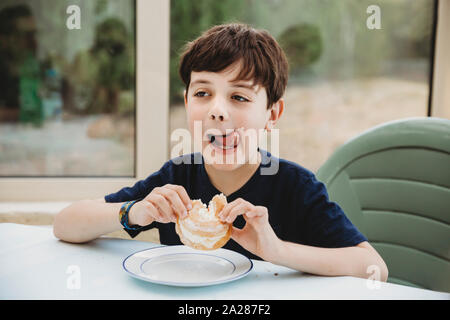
(215,254)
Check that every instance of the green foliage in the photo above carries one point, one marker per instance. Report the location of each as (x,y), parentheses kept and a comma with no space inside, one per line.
(112,51)
(188,20)
(302,44)
(323,39)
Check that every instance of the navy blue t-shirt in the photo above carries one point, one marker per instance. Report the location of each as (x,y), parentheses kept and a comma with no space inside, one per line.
(297,203)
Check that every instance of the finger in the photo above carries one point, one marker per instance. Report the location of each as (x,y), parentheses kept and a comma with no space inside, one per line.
(254,213)
(236,211)
(174,199)
(164,218)
(163,206)
(177,205)
(182,194)
(223,214)
(259,213)
(237,234)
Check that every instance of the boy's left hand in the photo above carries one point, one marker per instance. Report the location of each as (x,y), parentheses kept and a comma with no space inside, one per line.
(257,236)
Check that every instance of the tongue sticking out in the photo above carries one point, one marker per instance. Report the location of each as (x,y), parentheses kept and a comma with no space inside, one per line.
(228,140)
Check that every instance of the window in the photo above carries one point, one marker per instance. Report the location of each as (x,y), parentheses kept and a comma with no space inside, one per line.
(354,78)
(67,94)
(346,75)
(77,120)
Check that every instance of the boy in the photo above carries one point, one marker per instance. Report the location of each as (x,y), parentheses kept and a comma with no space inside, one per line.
(235,77)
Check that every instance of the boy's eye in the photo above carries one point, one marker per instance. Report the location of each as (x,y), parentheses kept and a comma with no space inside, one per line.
(200,94)
(239,98)
(235,97)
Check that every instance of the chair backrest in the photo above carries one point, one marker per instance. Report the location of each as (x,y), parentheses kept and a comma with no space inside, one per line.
(393,183)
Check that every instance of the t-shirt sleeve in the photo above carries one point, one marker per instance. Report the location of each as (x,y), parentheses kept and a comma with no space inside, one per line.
(327,224)
(138,192)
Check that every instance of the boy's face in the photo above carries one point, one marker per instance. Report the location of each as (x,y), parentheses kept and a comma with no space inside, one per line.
(231,114)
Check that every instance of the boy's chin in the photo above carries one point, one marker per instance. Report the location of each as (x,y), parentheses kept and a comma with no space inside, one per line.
(221,163)
(230,163)
(224,167)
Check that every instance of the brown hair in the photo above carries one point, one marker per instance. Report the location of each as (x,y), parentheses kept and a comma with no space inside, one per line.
(264,61)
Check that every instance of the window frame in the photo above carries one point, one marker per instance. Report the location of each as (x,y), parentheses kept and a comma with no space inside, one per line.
(440,97)
(151,121)
(152,108)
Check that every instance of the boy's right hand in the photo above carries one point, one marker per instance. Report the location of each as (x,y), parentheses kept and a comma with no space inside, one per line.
(163,205)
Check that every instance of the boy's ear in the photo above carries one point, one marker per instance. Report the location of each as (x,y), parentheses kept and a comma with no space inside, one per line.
(185,98)
(276,110)
(275,113)
(280,108)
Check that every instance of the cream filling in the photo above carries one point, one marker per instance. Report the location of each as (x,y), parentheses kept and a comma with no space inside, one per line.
(208,242)
(205,214)
(191,224)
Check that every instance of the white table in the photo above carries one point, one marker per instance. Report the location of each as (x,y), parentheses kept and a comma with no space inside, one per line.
(36,265)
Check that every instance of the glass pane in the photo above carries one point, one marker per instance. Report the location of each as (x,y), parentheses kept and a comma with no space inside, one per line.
(67,88)
(349,71)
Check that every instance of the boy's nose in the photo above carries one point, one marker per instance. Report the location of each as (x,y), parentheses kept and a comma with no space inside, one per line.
(219,117)
(218,112)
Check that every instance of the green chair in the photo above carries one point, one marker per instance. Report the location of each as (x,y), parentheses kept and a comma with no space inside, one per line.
(393,182)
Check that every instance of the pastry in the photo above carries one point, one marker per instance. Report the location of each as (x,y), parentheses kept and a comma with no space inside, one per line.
(202,228)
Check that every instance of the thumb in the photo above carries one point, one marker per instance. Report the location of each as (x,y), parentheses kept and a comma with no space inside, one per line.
(236,234)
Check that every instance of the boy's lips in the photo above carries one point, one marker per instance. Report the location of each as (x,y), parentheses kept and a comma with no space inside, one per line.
(229,140)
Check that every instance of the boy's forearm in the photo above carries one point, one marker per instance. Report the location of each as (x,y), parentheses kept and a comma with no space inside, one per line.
(350,261)
(86,220)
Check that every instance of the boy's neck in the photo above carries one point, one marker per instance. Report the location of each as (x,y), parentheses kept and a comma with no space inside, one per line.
(229,182)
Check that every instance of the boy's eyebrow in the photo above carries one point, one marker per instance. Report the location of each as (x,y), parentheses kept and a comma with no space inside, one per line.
(236,84)
(200,82)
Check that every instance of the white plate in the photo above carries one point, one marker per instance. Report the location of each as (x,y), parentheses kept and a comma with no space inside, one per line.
(187,267)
